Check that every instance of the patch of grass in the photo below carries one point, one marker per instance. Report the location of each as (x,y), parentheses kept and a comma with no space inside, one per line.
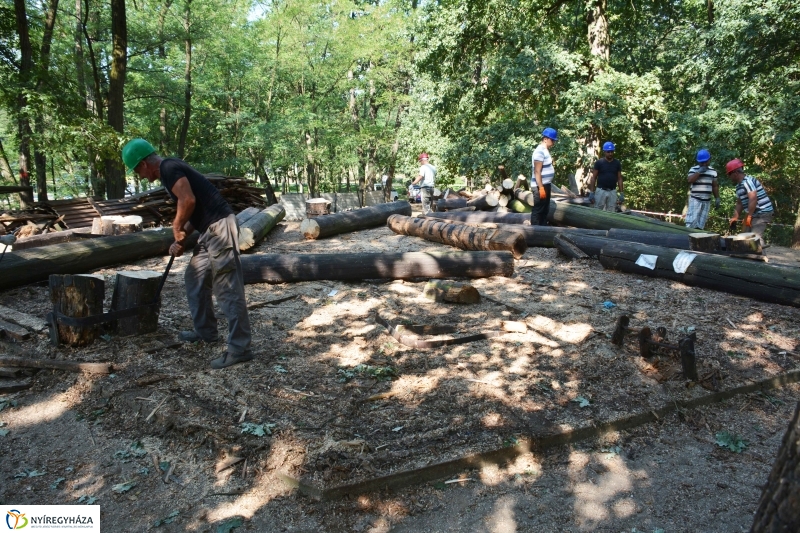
(381,373)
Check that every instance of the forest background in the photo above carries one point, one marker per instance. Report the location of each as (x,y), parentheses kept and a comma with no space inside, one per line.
(334,94)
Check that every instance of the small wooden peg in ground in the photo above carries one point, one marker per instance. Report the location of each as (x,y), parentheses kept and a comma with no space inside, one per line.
(244,414)
(169,472)
(450,291)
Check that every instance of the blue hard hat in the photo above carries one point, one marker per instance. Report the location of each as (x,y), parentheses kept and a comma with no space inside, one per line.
(608,146)
(703,156)
(550,133)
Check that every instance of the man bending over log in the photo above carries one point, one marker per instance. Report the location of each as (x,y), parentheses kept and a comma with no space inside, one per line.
(215,263)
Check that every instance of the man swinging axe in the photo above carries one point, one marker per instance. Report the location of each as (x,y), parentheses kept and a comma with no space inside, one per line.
(215,264)
(751,199)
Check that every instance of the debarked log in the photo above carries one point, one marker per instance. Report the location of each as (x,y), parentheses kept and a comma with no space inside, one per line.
(280,268)
(459,235)
(760,281)
(36,264)
(256,227)
(366,217)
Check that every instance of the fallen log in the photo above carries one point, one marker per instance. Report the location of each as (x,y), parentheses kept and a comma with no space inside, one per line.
(578,216)
(257,226)
(526,197)
(36,264)
(14,331)
(760,281)
(566,247)
(23,319)
(459,235)
(366,217)
(54,237)
(656,238)
(744,243)
(447,204)
(483,216)
(398,331)
(544,236)
(71,366)
(246,214)
(519,207)
(280,268)
(703,242)
(484,202)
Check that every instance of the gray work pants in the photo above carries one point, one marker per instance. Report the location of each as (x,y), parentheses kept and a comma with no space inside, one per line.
(426,198)
(215,266)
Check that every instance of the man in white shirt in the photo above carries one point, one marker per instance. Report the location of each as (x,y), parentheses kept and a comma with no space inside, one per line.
(542,177)
(426,179)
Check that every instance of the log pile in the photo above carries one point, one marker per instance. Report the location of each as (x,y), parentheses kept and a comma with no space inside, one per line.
(506,196)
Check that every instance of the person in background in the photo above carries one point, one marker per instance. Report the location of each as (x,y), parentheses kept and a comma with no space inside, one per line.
(752,200)
(215,264)
(703,181)
(426,179)
(606,179)
(542,177)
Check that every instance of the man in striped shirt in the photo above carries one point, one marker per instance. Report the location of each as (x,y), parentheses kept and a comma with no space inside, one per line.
(703,181)
(542,177)
(751,199)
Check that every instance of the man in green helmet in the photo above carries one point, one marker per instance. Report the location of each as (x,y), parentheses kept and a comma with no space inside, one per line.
(215,264)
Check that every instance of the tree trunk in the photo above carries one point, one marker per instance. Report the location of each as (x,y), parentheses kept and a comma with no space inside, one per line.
(5,167)
(484,202)
(517,206)
(77,296)
(446,204)
(136,289)
(187,94)
(458,235)
(23,125)
(779,506)
(366,217)
(292,268)
(656,238)
(54,237)
(115,172)
(565,214)
(257,227)
(28,266)
(482,217)
(796,233)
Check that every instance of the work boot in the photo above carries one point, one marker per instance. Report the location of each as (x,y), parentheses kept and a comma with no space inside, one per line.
(229,359)
(193,336)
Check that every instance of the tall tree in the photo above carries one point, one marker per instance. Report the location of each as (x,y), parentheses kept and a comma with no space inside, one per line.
(24,132)
(115,171)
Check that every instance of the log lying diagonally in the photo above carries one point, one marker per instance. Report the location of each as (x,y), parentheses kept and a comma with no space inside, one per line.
(478,217)
(578,216)
(280,268)
(36,264)
(256,227)
(770,283)
(459,235)
(366,217)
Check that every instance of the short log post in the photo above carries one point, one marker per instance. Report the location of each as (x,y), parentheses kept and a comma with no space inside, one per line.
(135,289)
(450,291)
(704,242)
(104,225)
(126,224)
(77,296)
(317,206)
(745,243)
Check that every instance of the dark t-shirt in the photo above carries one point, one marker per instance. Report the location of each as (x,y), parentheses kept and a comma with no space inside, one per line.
(607,172)
(209,205)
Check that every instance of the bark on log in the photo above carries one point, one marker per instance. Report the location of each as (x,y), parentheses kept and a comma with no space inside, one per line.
(656,238)
(704,242)
(526,197)
(451,291)
(246,214)
(77,297)
(567,214)
(569,249)
(316,207)
(257,227)
(53,237)
(779,507)
(464,209)
(458,235)
(761,281)
(483,216)
(71,366)
(280,268)
(135,289)
(544,236)
(745,243)
(36,264)
(366,217)
(447,204)
(23,319)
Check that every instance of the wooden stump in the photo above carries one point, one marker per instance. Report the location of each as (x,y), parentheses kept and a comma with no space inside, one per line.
(745,243)
(104,225)
(134,289)
(317,206)
(704,242)
(127,224)
(450,291)
(77,296)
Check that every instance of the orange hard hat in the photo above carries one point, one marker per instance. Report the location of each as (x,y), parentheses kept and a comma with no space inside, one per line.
(733,165)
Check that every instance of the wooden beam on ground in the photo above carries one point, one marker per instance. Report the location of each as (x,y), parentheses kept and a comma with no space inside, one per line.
(280,268)
(257,226)
(70,366)
(36,264)
(54,237)
(578,216)
(366,217)
(459,235)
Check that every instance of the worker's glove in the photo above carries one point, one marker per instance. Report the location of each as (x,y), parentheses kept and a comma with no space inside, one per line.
(702,169)
(717,202)
(732,222)
(621,197)
(542,193)
(591,196)
(748,221)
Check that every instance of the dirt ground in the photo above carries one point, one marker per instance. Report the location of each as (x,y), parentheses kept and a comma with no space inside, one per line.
(166,444)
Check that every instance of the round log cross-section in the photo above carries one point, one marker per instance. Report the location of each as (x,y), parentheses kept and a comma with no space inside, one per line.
(135,289)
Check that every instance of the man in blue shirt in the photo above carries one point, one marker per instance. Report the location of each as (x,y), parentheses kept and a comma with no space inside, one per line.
(215,263)
(606,178)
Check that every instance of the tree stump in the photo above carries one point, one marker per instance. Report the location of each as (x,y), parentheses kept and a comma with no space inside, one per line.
(77,296)
(104,225)
(745,243)
(317,206)
(126,224)
(450,291)
(704,242)
(134,289)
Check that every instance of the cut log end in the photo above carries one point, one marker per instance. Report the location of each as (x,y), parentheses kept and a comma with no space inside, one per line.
(309,228)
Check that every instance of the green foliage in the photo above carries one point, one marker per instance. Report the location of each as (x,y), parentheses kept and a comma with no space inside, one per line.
(730,441)
(259,430)
(380,373)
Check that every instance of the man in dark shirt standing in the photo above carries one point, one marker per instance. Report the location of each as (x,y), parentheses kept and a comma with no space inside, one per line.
(215,263)
(606,178)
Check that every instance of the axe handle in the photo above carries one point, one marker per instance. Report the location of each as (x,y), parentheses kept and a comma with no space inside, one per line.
(164,278)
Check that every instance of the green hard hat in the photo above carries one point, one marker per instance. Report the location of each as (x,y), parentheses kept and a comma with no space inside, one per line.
(135,151)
